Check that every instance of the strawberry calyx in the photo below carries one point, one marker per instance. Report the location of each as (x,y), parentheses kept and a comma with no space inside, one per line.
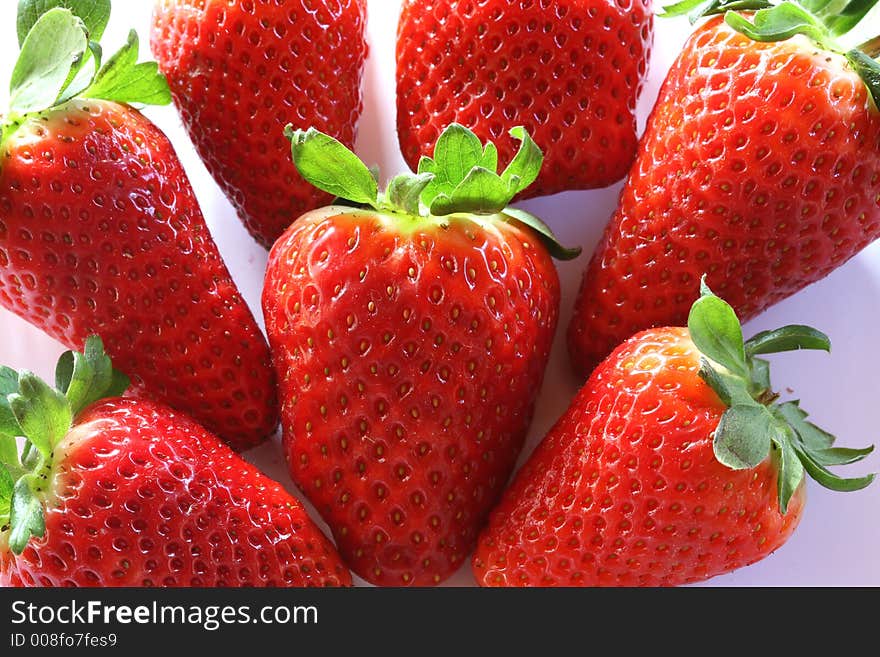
(756,425)
(61,59)
(37,416)
(825,22)
(460,179)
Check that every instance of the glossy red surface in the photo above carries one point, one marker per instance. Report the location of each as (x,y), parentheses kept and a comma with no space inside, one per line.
(409,361)
(142,496)
(760,167)
(240,70)
(570,71)
(100,232)
(625,490)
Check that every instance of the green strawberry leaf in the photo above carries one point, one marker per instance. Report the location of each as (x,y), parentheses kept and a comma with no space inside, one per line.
(716,332)
(404,191)
(465,177)
(328,165)
(839,20)
(93,13)
(9,449)
(56,43)
(869,70)
(790,473)
(743,437)
(814,449)
(787,338)
(813,438)
(489,160)
(7,485)
(820,20)
(26,516)
(481,192)
(82,78)
(731,389)
(92,375)
(525,166)
(64,371)
(545,234)
(761,374)
(86,377)
(30,456)
(779,23)
(124,80)
(119,384)
(8,424)
(840,455)
(8,380)
(457,151)
(828,479)
(753,422)
(43,413)
(697,9)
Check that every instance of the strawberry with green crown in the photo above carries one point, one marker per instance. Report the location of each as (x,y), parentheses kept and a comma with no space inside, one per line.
(101,232)
(116,491)
(760,166)
(410,336)
(676,462)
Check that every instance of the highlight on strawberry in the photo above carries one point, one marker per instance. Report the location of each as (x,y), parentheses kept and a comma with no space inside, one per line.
(760,166)
(410,330)
(101,232)
(676,462)
(113,491)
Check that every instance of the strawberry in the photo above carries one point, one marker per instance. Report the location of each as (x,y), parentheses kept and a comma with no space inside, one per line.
(239,70)
(100,231)
(410,337)
(114,491)
(674,463)
(569,71)
(760,165)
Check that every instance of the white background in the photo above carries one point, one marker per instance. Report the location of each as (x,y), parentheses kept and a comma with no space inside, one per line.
(838,541)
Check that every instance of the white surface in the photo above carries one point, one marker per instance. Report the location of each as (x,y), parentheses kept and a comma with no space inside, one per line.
(838,541)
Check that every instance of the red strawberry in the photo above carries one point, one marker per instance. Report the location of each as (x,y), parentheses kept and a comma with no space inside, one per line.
(100,232)
(674,463)
(124,492)
(410,347)
(569,71)
(239,70)
(760,165)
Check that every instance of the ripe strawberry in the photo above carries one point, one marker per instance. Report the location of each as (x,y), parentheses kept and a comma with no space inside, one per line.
(239,70)
(674,463)
(569,71)
(100,232)
(410,340)
(124,492)
(760,166)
